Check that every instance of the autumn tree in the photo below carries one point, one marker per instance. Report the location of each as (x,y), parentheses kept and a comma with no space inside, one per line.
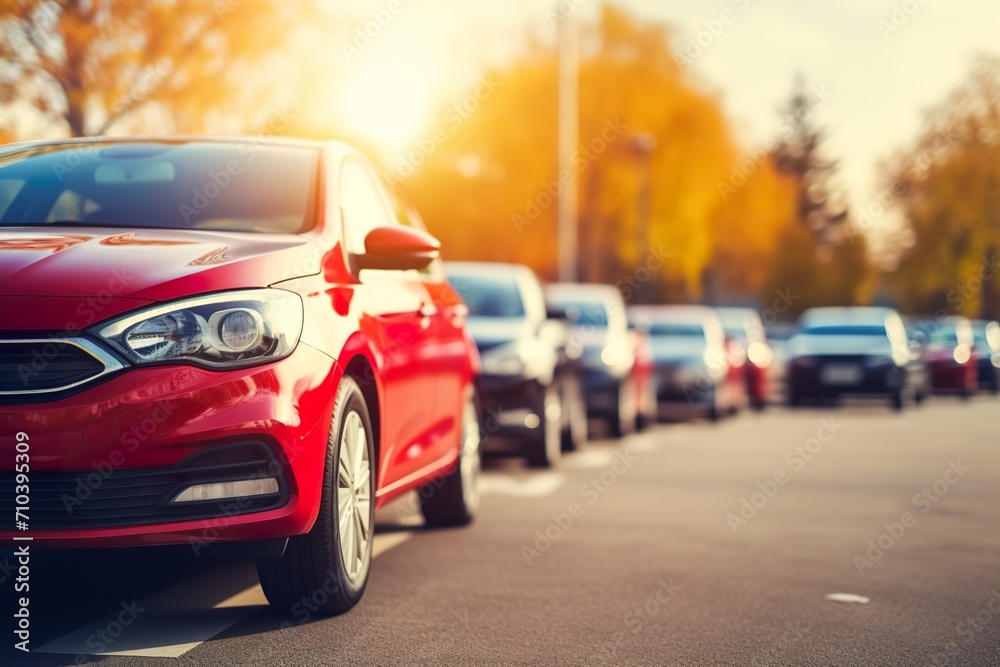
(652,145)
(86,64)
(948,189)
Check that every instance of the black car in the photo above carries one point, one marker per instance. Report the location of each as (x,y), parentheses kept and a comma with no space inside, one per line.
(851,351)
(614,379)
(531,398)
(987,349)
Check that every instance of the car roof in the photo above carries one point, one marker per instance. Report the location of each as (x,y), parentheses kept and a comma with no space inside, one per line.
(172,139)
(488,269)
(856,315)
(674,313)
(585,291)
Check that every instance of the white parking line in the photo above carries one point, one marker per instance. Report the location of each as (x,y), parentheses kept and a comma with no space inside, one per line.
(171,622)
(591,459)
(536,486)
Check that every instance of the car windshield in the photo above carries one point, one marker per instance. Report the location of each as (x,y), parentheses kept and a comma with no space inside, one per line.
(585,313)
(489,297)
(844,330)
(677,330)
(226,186)
(944,336)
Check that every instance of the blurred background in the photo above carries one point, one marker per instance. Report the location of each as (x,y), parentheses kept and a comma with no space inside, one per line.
(729,152)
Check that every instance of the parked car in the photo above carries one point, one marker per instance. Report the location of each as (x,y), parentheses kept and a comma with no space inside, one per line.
(612,381)
(778,336)
(746,334)
(987,351)
(950,357)
(850,352)
(529,386)
(247,341)
(692,363)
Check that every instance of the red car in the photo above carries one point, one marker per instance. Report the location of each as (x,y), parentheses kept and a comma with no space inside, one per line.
(950,355)
(237,346)
(750,351)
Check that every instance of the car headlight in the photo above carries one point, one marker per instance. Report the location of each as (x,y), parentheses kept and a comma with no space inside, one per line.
(225,330)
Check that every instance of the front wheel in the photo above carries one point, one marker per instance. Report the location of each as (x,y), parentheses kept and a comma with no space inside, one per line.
(454,499)
(622,419)
(574,427)
(544,444)
(328,566)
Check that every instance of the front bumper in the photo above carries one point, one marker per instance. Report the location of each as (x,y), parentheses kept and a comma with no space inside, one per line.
(513,406)
(106,462)
(814,382)
(947,375)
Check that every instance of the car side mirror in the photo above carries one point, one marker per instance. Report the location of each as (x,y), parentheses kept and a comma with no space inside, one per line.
(396,249)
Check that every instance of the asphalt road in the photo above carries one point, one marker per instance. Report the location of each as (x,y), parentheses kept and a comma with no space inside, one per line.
(632,553)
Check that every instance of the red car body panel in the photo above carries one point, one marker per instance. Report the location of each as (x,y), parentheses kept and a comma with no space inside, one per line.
(949,375)
(401,336)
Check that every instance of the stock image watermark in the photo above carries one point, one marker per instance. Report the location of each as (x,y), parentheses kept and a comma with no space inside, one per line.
(898,17)
(743,170)
(591,491)
(424,148)
(218,180)
(923,501)
(22,552)
(549,191)
(693,48)
(796,459)
(363,35)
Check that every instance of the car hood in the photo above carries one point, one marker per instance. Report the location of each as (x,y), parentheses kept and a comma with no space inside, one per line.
(492,331)
(804,345)
(151,264)
(667,349)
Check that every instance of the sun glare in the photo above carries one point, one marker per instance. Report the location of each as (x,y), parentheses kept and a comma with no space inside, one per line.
(386,102)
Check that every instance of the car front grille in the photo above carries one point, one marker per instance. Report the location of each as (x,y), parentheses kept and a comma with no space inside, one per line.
(130,497)
(49,365)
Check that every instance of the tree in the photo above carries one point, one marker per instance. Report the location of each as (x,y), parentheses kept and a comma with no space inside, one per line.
(488,182)
(799,156)
(87,64)
(948,188)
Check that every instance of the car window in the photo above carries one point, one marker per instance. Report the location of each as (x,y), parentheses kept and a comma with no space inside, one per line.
(489,296)
(222,186)
(677,329)
(362,203)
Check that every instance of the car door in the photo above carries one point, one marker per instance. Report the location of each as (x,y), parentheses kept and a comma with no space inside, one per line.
(398,324)
(448,348)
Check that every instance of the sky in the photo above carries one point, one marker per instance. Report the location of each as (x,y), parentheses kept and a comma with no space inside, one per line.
(885,63)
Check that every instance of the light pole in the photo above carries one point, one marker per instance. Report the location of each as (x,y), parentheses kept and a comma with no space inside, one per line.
(569,72)
(641,147)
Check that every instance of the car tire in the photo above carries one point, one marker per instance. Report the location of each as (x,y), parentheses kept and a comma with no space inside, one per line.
(898,400)
(623,416)
(317,566)
(574,428)
(544,445)
(646,408)
(714,412)
(453,500)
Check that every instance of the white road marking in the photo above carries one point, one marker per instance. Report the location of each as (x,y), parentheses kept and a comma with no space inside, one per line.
(178,619)
(536,486)
(388,541)
(847,597)
(591,459)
